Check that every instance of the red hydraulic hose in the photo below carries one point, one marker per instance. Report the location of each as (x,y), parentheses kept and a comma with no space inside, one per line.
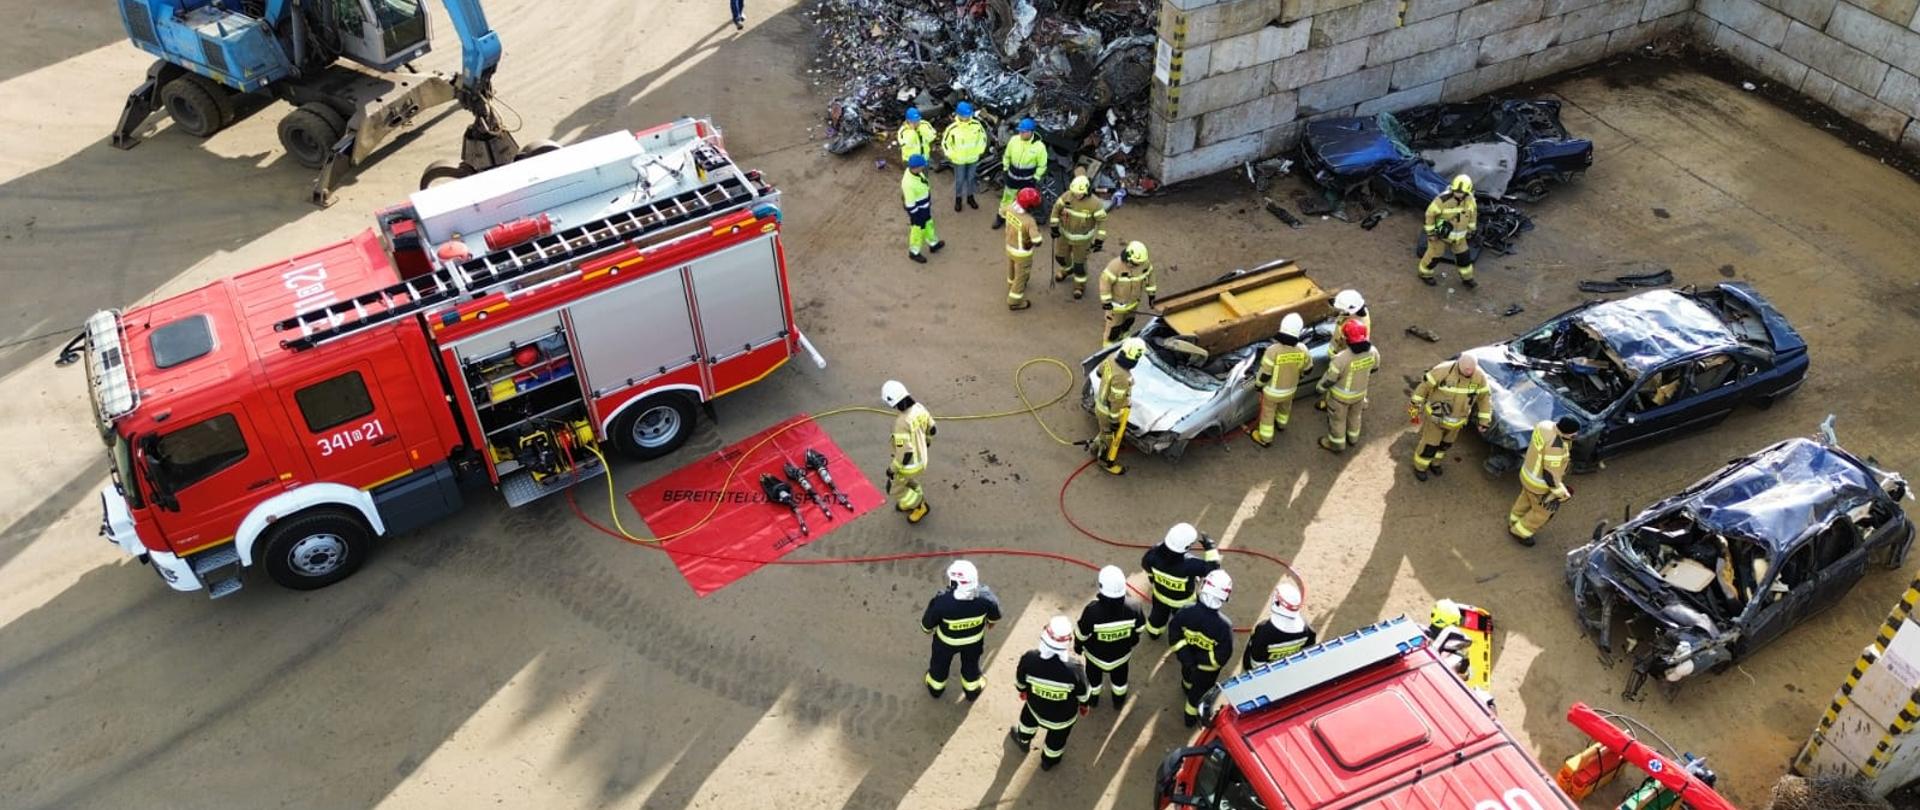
(1674,776)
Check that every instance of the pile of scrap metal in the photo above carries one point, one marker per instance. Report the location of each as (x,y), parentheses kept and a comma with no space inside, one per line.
(1079,68)
(1513,150)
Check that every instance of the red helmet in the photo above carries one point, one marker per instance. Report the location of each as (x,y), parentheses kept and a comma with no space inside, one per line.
(1028,198)
(1354,332)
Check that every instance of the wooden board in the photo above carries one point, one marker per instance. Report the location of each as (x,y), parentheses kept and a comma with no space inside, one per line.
(1239,311)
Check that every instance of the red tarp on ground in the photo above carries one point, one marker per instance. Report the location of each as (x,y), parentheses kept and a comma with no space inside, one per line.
(745,527)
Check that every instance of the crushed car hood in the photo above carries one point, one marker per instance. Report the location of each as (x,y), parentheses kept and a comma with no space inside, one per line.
(1520,400)
(1652,328)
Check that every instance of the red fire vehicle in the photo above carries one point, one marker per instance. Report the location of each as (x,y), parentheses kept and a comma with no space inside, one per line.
(1368,720)
(492,329)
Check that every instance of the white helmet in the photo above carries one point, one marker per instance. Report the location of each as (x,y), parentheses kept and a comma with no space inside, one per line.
(1057,637)
(964,578)
(1132,348)
(1180,537)
(1113,582)
(1292,324)
(1349,301)
(1286,607)
(892,392)
(1216,589)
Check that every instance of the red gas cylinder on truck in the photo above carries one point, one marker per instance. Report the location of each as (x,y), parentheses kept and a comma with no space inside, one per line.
(512,233)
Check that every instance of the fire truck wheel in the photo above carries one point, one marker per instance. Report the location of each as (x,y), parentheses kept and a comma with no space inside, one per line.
(654,426)
(315,549)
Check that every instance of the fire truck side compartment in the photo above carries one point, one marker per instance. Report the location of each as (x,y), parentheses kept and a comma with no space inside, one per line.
(741,308)
(420,498)
(632,333)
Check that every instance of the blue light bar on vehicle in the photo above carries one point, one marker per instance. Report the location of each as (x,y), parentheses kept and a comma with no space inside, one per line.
(1271,683)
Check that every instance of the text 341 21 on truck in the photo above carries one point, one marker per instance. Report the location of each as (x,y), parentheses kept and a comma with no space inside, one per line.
(497,329)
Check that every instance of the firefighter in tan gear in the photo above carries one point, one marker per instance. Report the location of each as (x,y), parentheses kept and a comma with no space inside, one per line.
(1023,236)
(1280,368)
(1112,401)
(1351,307)
(1451,218)
(913,431)
(1344,387)
(1079,227)
(1445,399)
(1543,478)
(1123,284)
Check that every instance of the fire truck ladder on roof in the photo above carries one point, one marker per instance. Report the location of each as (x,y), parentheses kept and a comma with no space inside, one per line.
(483,274)
(1271,683)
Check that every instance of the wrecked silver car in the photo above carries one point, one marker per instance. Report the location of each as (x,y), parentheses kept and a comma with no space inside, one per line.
(1706,577)
(1198,378)
(1640,369)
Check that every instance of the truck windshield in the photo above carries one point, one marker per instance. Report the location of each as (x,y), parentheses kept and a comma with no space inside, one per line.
(403,23)
(121,453)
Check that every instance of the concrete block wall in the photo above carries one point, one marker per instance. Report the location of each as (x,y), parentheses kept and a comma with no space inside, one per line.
(1859,57)
(1236,80)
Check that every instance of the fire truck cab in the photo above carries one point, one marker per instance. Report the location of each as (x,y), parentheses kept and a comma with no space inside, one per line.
(1367,720)
(498,329)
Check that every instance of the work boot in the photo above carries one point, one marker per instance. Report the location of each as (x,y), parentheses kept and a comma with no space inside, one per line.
(1328,445)
(1119,702)
(936,693)
(1420,475)
(956,203)
(917,257)
(1021,304)
(1114,468)
(935,247)
(1525,541)
(1094,701)
(919,513)
(973,695)
(1262,442)
(1191,719)
(1047,762)
(1430,281)
(1437,468)
(998,221)
(971,204)
(1469,282)
(1013,736)
(1079,291)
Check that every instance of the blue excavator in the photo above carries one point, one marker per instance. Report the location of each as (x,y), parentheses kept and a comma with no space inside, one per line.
(339,64)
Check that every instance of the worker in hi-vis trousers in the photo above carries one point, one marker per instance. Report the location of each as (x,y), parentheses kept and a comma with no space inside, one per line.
(1285,632)
(1079,228)
(958,618)
(1112,402)
(1126,281)
(1451,218)
(1022,163)
(1053,693)
(1351,307)
(1543,478)
(915,137)
(963,142)
(1173,571)
(1445,399)
(1281,365)
(1344,387)
(913,432)
(1203,641)
(1109,629)
(916,193)
(1023,236)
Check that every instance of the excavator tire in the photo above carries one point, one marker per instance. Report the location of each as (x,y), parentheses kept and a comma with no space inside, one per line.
(444,169)
(223,98)
(194,110)
(309,132)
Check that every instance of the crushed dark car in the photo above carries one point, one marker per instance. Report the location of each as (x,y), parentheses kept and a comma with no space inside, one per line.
(1640,369)
(1511,149)
(1701,580)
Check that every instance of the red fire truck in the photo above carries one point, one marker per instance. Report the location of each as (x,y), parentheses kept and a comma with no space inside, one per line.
(497,328)
(1368,720)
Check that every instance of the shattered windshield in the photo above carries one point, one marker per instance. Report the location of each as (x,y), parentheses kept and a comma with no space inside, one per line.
(1574,361)
(1650,329)
(1397,133)
(1714,573)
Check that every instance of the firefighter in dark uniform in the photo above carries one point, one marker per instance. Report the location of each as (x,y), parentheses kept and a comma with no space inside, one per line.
(958,619)
(1109,629)
(1203,641)
(1173,572)
(1053,693)
(1285,631)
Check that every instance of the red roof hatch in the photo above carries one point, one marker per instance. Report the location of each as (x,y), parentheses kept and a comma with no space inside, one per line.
(1371,729)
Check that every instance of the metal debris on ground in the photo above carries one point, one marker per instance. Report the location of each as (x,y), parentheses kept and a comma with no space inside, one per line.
(1659,278)
(1423,333)
(1512,310)
(1374,218)
(1261,173)
(1283,214)
(1500,225)
(1081,70)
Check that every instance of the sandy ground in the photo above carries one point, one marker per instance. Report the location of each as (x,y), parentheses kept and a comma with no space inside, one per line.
(518,659)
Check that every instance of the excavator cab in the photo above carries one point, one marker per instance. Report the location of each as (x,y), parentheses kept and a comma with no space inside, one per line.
(381,34)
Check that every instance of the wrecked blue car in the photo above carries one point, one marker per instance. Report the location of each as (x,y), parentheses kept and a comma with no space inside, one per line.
(1512,149)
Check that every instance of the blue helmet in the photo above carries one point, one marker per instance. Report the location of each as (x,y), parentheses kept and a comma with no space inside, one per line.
(917,162)
(1026,125)
(964,109)
(913,115)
